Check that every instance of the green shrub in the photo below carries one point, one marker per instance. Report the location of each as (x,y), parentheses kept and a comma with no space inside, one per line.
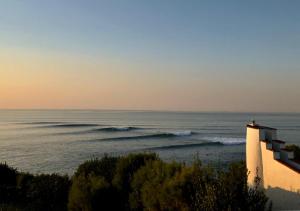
(128,165)
(200,187)
(43,192)
(104,167)
(156,186)
(133,182)
(125,170)
(232,187)
(92,186)
(174,186)
(227,190)
(23,191)
(7,175)
(295,149)
(90,192)
(8,190)
(8,207)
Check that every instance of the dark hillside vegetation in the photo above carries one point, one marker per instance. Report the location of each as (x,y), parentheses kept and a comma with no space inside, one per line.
(24,191)
(133,182)
(296,150)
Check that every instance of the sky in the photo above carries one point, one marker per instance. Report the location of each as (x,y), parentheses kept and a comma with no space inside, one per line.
(173,55)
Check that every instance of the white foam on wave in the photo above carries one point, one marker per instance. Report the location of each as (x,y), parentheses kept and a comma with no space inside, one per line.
(226,140)
(181,133)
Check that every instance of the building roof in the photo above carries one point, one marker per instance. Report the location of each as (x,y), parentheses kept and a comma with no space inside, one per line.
(279,141)
(257,126)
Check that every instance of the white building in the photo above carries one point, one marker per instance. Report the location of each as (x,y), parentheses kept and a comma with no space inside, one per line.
(279,173)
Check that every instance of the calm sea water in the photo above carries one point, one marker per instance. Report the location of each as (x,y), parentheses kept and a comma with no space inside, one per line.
(46,141)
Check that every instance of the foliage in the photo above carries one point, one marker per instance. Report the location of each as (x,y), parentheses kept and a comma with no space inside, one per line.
(92,186)
(163,186)
(23,191)
(295,149)
(133,182)
(44,192)
(7,183)
(257,200)
(125,170)
(105,167)
(152,186)
(90,193)
(7,175)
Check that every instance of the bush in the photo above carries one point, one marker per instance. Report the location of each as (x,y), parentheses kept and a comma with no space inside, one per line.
(232,188)
(7,175)
(155,187)
(7,207)
(134,182)
(104,167)
(44,192)
(125,170)
(23,191)
(295,149)
(174,186)
(8,179)
(200,187)
(90,193)
(92,186)
(226,190)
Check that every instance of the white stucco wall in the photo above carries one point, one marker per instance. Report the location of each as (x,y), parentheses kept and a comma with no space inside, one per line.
(281,183)
(253,155)
(276,174)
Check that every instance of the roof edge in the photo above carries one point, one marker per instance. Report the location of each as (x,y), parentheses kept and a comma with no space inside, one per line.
(256,126)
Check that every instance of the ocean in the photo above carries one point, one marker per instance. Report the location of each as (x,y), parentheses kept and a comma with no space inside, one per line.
(57,141)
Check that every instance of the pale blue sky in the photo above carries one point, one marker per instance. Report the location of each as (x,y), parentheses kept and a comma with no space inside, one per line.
(232,44)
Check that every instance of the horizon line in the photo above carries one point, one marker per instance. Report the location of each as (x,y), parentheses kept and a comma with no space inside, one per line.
(145,110)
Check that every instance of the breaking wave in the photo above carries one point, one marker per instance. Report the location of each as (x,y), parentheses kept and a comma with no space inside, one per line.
(103,129)
(150,136)
(179,146)
(182,133)
(226,140)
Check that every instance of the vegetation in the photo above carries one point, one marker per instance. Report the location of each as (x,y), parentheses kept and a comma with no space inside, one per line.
(295,149)
(23,191)
(134,182)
